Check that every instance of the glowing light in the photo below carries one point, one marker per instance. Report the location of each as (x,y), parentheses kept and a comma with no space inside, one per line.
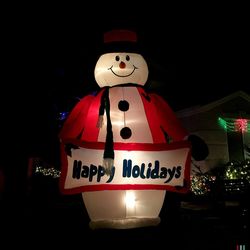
(130,199)
(235,125)
(63,116)
(139,156)
(241,125)
(222,123)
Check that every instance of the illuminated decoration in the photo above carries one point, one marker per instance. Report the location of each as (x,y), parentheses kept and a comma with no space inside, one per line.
(241,247)
(235,125)
(238,170)
(241,125)
(201,184)
(62,116)
(235,176)
(48,171)
(39,166)
(115,146)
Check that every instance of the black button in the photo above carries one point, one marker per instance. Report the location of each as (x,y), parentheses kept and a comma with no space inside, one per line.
(125,133)
(123,105)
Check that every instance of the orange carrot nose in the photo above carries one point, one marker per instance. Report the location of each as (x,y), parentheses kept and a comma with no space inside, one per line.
(122,65)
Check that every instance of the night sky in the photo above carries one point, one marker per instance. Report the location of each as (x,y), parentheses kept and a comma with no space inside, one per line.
(193,61)
(194,57)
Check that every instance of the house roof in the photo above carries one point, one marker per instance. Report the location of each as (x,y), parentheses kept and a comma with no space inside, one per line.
(200,109)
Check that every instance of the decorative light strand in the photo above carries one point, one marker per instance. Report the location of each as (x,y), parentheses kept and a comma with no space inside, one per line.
(200,184)
(238,170)
(48,171)
(235,125)
(38,166)
(237,175)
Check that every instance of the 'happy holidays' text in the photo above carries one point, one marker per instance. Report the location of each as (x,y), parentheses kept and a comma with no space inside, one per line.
(142,171)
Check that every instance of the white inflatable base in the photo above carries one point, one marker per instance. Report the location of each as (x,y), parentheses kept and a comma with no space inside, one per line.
(125,223)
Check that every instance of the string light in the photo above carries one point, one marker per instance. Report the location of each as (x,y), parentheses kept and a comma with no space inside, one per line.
(235,125)
(241,125)
(238,170)
(48,171)
(41,167)
(200,184)
(236,176)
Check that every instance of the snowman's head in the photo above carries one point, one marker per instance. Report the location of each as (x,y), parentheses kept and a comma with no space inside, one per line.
(121,68)
(121,63)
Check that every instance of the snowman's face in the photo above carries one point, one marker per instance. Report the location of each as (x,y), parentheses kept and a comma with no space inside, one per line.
(120,68)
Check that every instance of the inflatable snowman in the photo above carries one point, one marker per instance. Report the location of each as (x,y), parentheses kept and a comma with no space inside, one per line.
(122,148)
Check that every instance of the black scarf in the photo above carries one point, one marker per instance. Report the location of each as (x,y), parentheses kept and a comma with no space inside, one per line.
(105,105)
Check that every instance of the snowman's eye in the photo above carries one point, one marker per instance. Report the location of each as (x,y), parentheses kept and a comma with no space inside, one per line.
(117,58)
(127,58)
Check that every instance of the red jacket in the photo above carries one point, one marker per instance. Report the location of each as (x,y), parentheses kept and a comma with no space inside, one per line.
(82,120)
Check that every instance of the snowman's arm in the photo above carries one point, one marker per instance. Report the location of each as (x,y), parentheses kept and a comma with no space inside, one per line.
(75,122)
(168,120)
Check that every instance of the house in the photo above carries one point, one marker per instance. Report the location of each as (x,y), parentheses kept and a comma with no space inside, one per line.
(224,125)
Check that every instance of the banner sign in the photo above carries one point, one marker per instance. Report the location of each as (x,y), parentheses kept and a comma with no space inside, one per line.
(147,166)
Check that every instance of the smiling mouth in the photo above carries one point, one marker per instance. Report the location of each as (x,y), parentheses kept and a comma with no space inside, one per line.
(122,75)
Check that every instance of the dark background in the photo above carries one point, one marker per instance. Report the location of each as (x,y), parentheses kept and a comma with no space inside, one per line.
(195,54)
